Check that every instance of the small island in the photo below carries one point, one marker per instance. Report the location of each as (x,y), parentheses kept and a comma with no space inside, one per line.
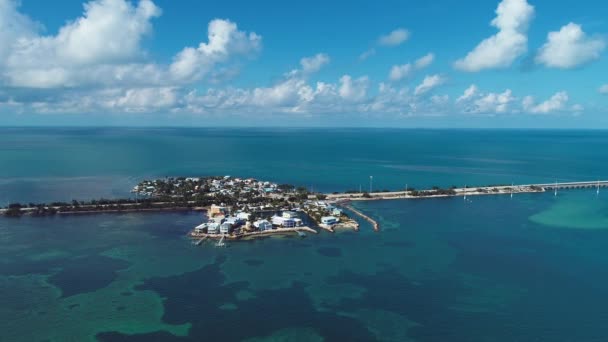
(246,208)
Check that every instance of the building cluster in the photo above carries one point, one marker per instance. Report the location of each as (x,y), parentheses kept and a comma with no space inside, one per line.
(222,221)
(210,186)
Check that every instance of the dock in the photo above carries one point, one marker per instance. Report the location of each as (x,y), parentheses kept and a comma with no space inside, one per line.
(200,241)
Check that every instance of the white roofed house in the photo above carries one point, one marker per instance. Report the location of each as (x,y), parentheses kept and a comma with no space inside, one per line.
(225,228)
(262,225)
(283,222)
(329,220)
(213,228)
(243,216)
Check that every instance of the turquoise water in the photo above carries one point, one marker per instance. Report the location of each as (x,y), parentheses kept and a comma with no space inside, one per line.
(531,268)
(48,164)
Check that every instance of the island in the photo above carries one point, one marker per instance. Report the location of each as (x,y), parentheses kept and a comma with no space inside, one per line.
(246,208)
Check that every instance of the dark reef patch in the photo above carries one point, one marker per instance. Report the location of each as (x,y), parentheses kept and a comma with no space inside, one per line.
(86,274)
(196,297)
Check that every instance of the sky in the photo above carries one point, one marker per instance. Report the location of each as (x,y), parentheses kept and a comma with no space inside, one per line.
(445,63)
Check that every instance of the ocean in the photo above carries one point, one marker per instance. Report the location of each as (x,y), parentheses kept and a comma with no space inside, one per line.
(495,268)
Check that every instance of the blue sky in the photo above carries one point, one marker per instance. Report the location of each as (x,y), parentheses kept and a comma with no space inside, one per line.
(509,63)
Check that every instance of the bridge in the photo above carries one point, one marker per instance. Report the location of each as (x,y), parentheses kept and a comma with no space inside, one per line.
(573,185)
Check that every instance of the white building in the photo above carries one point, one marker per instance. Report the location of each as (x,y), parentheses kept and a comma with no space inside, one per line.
(329,220)
(283,222)
(213,228)
(262,225)
(234,221)
(200,228)
(243,216)
(225,228)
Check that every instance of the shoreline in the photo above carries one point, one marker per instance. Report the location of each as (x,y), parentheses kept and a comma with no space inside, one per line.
(251,235)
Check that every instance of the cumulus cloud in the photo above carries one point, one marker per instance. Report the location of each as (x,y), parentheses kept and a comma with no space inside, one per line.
(555,103)
(569,47)
(103,47)
(395,37)
(603,89)
(314,63)
(500,50)
(108,33)
(399,72)
(224,41)
(477,102)
(141,99)
(468,93)
(353,90)
(494,103)
(424,61)
(367,54)
(428,84)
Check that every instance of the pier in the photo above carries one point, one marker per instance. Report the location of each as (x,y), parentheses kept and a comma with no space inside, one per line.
(374,223)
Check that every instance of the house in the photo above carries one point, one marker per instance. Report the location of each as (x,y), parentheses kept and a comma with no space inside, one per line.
(262,225)
(234,221)
(225,228)
(243,216)
(200,228)
(213,228)
(329,220)
(283,222)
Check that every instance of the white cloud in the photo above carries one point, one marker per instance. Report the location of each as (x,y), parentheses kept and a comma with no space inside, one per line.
(500,50)
(569,47)
(494,103)
(108,33)
(394,38)
(603,89)
(399,72)
(468,93)
(224,41)
(367,54)
(477,102)
(103,47)
(424,61)
(142,99)
(557,102)
(429,83)
(314,63)
(353,90)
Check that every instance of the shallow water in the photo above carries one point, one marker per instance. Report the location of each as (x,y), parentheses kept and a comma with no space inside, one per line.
(440,269)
